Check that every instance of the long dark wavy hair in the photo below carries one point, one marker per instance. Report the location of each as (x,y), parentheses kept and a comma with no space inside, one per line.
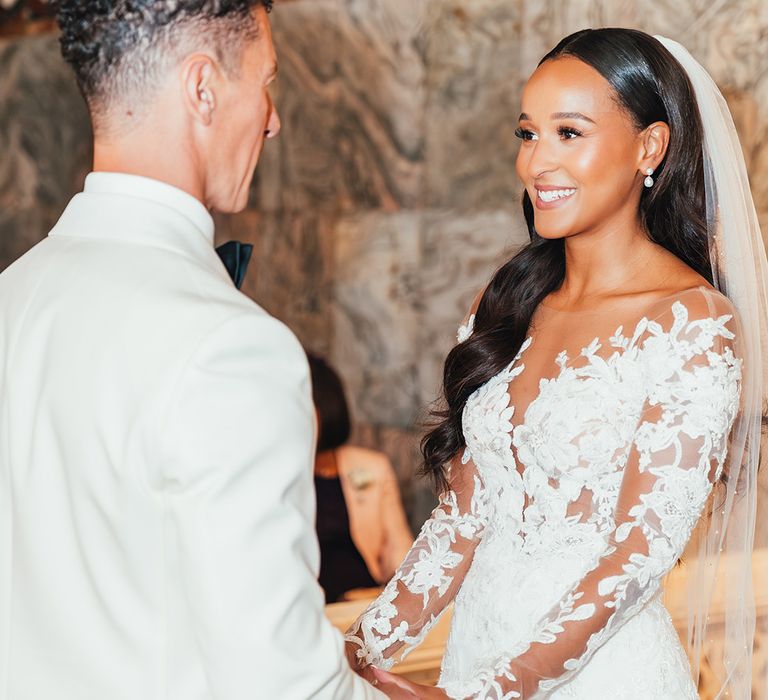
(650,85)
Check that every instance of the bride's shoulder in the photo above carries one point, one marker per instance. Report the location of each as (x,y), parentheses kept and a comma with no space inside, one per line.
(467,326)
(699,301)
(682,286)
(699,317)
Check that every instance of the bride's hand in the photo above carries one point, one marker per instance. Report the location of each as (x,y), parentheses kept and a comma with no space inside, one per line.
(366,672)
(349,652)
(397,688)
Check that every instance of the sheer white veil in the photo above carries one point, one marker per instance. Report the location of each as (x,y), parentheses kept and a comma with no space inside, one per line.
(721,556)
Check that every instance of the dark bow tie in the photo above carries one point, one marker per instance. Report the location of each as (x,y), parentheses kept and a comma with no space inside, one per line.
(235,256)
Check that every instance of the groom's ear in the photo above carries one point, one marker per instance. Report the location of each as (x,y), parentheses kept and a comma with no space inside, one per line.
(654,142)
(199,73)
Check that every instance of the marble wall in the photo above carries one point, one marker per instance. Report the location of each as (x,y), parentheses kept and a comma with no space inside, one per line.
(44,141)
(390,196)
(397,137)
(398,143)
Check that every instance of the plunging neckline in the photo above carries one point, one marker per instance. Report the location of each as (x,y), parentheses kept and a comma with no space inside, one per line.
(619,343)
(563,360)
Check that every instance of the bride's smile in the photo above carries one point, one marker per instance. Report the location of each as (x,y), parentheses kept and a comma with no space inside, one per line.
(548,197)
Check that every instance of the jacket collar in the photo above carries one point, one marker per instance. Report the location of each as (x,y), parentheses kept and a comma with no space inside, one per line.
(134,209)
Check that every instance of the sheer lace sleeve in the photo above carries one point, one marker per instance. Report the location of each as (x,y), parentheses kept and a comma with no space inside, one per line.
(431,573)
(691,374)
(429,577)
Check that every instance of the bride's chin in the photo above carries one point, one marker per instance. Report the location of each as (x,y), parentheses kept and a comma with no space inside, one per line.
(551,233)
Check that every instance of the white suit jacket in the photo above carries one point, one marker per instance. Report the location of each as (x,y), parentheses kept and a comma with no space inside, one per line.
(156,443)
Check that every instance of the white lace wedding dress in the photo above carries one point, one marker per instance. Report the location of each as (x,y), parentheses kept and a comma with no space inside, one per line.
(589,460)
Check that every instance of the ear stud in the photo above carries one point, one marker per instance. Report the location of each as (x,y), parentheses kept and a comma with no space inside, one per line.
(648,182)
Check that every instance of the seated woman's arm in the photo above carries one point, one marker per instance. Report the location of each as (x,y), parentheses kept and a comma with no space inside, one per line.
(397,535)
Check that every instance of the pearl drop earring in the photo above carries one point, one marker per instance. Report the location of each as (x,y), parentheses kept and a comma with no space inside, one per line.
(648,182)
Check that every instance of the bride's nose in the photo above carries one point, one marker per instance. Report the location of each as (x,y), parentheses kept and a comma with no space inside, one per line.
(541,160)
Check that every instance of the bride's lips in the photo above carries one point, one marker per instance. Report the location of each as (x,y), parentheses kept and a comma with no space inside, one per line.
(553,196)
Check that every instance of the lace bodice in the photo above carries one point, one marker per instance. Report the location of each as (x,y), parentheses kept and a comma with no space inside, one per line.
(589,460)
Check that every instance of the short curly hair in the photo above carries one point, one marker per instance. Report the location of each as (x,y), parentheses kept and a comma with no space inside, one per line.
(122,47)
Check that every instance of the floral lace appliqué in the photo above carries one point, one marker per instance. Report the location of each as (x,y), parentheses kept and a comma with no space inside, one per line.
(601,485)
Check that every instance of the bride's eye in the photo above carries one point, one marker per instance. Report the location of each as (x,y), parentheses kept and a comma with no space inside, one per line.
(525,134)
(567,132)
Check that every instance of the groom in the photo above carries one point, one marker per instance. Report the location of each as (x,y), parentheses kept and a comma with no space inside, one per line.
(156,430)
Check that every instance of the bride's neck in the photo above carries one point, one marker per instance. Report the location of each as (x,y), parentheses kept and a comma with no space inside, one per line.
(603,262)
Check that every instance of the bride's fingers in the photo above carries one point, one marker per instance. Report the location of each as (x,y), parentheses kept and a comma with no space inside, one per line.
(393,685)
(394,692)
(368,674)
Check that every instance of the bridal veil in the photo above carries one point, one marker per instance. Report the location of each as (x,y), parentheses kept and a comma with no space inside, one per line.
(720,555)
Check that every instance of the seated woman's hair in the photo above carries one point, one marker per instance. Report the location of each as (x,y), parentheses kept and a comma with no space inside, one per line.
(121,48)
(332,411)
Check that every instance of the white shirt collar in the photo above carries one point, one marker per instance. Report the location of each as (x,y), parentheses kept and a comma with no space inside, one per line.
(154,191)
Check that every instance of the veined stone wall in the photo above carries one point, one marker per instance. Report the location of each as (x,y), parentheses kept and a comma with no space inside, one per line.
(44,142)
(390,196)
(396,167)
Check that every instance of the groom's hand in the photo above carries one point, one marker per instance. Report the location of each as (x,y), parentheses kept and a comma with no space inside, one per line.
(397,688)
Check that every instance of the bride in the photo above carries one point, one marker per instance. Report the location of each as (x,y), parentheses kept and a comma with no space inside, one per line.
(599,383)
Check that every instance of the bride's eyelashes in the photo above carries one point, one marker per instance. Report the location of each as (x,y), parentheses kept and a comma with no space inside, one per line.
(566,133)
(524,134)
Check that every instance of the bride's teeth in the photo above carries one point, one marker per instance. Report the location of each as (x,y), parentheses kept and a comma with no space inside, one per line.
(552,195)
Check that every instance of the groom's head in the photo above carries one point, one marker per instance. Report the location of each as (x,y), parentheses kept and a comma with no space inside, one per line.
(192,74)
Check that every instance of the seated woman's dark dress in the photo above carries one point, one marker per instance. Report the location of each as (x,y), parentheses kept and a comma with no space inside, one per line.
(342,568)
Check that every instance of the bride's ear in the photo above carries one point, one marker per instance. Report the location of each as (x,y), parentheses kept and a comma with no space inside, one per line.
(654,141)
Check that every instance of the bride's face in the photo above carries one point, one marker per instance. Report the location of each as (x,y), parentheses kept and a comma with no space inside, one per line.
(580,151)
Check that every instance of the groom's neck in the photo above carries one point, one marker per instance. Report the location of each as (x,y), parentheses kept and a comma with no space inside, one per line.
(157,148)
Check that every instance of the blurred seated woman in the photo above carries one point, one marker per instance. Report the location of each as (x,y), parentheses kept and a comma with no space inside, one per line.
(361,524)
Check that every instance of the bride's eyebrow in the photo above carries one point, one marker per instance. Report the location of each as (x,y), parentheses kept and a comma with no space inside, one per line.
(571,115)
(560,115)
